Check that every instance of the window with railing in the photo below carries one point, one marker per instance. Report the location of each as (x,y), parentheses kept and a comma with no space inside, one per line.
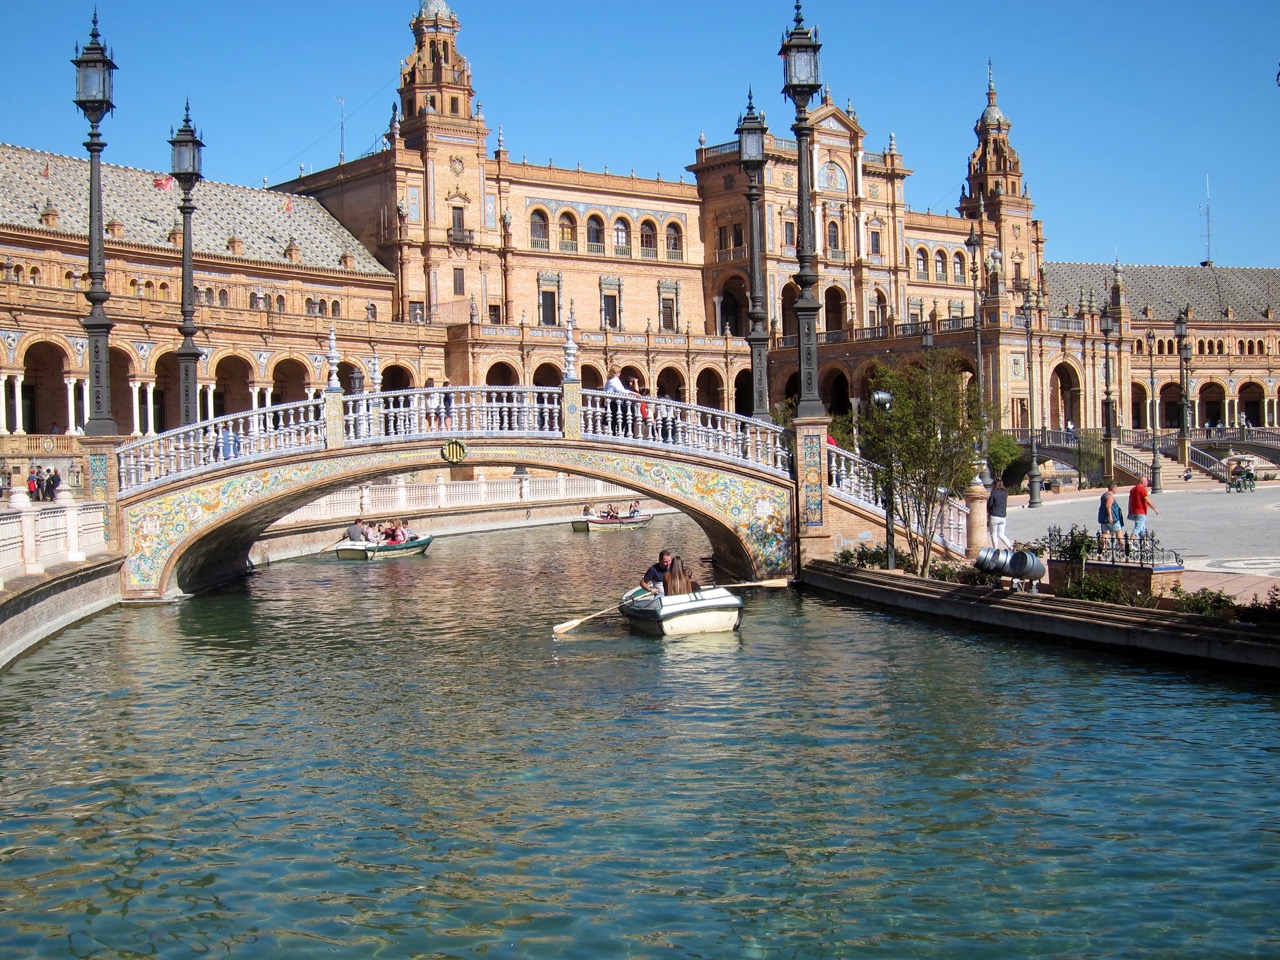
(621,238)
(539,231)
(675,242)
(568,233)
(595,235)
(940,267)
(648,240)
(922,265)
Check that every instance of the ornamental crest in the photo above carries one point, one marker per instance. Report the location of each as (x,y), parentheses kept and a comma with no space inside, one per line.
(263,357)
(456,165)
(144,350)
(11,338)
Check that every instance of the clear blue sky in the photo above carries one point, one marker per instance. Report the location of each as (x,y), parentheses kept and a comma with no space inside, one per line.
(1121,111)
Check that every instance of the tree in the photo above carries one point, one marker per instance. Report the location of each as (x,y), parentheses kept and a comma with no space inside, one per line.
(924,442)
(1002,450)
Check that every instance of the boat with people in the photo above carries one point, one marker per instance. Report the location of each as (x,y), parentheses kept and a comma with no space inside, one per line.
(368,550)
(705,610)
(593,524)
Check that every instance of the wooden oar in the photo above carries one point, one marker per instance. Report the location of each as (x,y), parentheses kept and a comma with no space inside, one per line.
(568,625)
(332,545)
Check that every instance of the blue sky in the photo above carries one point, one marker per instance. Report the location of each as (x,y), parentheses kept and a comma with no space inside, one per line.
(1122,112)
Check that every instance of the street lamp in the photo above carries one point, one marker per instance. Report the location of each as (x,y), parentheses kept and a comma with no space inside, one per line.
(187,148)
(974,245)
(1184,361)
(926,337)
(1107,326)
(883,401)
(94,69)
(1034,484)
(751,131)
(802,81)
(1154,413)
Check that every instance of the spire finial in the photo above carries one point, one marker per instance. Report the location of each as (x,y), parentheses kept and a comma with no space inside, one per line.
(799,15)
(750,101)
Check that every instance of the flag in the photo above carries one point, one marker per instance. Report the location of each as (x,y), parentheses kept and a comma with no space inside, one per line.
(46,170)
(287,204)
(163,183)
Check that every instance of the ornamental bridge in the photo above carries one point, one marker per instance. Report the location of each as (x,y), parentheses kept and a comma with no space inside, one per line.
(191,502)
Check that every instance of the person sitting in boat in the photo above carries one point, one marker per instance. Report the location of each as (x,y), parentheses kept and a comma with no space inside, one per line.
(407,531)
(611,512)
(635,509)
(677,579)
(395,532)
(587,511)
(654,576)
(358,532)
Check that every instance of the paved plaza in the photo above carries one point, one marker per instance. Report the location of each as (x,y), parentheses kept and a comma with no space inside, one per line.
(1227,541)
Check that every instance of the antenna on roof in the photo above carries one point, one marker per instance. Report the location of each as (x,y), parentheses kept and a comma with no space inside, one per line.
(1208,227)
(342,131)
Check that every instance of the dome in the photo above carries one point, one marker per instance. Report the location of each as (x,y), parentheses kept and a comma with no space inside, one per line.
(435,8)
(992,115)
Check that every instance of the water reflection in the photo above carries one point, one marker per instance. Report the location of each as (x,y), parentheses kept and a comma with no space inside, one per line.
(398,759)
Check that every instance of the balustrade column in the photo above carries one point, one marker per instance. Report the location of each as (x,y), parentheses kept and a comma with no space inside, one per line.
(71,403)
(134,390)
(4,404)
(151,408)
(208,400)
(19,421)
(84,404)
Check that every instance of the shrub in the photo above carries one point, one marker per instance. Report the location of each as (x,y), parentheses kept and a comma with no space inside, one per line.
(1100,588)
(875,558)
(1209,603)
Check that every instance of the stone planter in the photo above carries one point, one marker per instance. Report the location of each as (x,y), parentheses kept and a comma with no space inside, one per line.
(1157,580)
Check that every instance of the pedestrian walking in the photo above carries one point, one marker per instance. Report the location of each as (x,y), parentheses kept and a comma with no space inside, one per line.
(1110,519)
(1139,504)
(998,514)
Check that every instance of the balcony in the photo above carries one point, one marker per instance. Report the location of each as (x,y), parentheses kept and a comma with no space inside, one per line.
(596,249)
(621,250)
(568,246)
(539,243)
(459,237)
(675,254)
(648,253)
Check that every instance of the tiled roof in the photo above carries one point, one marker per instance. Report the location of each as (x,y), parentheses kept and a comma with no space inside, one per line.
(264,220)
(1210,291)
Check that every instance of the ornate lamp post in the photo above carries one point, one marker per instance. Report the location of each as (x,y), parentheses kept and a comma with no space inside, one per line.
(883,401)
(802,80)
(1107,325)
(926,337)
(1154,408)
(1184,361)
(1034,483)
(751,131)
(974,245)
(187,149)
(94,70)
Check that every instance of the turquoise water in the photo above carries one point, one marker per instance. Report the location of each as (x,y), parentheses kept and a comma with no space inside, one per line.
(396,760)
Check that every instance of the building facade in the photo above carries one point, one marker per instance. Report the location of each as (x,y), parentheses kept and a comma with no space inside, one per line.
(438,257)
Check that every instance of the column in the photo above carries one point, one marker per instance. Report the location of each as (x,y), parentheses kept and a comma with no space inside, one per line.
(84,405)
(71,403)
(151,408)
(718,328)
(4,404)
(208,400)
(137,418)
(19,423)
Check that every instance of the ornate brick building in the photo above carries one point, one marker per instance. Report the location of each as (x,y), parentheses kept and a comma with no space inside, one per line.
(439,257)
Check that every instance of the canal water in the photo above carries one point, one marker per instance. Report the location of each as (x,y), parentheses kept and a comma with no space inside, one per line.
(397,760)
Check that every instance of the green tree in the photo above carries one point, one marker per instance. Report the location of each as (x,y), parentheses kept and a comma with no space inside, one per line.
(924,442)
(1002,450)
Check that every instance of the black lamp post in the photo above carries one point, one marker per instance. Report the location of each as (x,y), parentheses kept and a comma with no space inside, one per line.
(94,70)
(187,149)
(751,131)
(1184,361)
(1154,413)
(1034,483)
(1107,326)
(802,81)
(974,245)
(926,337)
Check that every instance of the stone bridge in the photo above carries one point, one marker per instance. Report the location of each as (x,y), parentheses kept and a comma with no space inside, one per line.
(192,501)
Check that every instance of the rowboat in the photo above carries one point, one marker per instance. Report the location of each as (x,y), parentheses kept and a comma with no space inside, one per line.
(589,524)
(357,550)
(706,610)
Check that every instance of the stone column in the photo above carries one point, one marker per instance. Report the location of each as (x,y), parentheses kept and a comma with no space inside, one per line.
(20,427)
(71,403)
(20,502)
(151,408)
(71,517)
(813,532)
(134,388)
(4,404)
(975,495)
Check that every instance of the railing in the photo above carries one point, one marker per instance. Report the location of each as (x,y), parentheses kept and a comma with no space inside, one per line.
(1143,551)
(539,243)
(627,419)
(463,411)
(461,237)
(244,436)
(1208,463)
(413,499)
(57,533)
(1128,462)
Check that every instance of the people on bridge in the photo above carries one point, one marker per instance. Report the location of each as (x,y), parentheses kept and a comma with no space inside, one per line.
(1139,504)
(1110,518)
(653,577)
(677,579)
(52,480)
(33,484)
(998,514)
(620,411)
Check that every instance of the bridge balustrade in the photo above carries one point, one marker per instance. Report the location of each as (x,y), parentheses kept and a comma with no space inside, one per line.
(254,434)
(625,418)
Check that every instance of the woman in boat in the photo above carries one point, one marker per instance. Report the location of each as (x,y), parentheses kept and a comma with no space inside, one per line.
(587,511)
(677,579)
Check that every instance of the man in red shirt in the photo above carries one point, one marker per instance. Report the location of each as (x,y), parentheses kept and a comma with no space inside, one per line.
(1139,504)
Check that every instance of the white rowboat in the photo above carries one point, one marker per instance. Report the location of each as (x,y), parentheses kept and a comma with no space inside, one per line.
(706,610)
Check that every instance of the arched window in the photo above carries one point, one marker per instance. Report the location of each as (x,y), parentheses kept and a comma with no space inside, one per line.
(310,306)
(255,301)
(280,304)
(675,242)
(539,231)
(957,268)
(568,233)
(224,298)
(621,238)
(149,290)
(35,276)
(164,291)
(922,264)
(336,309)
(648,240)
(69,280)
(322,307)
(940,267)
(595,234)
(833,236)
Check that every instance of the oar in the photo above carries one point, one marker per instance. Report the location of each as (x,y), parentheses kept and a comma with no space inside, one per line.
(332,545)
(568,625)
